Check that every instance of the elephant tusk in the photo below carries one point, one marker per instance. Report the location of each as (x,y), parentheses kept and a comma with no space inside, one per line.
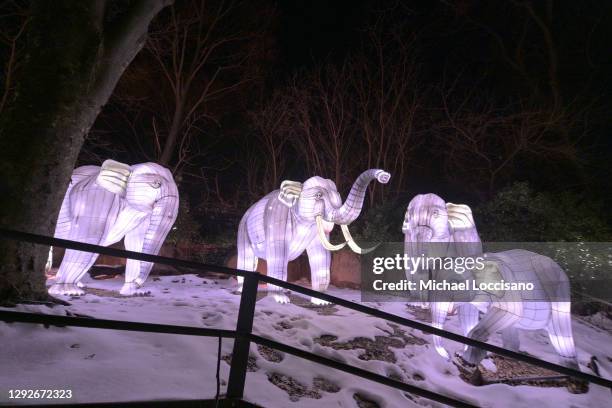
(352,244)
(324,241)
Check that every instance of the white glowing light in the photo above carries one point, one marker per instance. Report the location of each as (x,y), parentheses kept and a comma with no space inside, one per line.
(105,204)
(429,219)
(299,217)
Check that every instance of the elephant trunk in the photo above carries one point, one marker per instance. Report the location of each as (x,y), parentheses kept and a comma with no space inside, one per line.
(421,245)
(162,218)
(439,310)
(417,244)
(415,248)
(350,210)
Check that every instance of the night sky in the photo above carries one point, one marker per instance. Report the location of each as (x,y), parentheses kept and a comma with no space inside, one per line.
(311,31)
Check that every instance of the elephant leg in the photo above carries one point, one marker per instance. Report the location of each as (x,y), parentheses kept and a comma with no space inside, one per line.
(133,241)
(560,333)
(72,269)
(468,318)
(277,260)
(62,226)
(64,221)
(499,317)
(76,263)
(94,211)
(510,338)
(246,259)
(319,259)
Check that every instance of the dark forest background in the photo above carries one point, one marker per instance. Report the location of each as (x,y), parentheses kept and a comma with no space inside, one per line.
(502,105)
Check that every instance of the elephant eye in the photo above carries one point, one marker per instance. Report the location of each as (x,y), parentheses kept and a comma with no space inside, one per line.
(436,213)
(318,195)
(156,184)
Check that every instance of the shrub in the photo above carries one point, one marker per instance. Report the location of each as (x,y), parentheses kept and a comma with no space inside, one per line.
(518,213)
(562,226)
(186,229)
(382,223)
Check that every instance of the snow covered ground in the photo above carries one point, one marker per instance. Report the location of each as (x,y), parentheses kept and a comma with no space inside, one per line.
(104,365)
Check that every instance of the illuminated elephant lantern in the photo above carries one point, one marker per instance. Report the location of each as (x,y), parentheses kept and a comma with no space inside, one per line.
(298,217)
(105,204)
(430,224)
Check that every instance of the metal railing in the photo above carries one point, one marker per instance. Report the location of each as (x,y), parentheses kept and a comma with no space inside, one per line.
(243,334)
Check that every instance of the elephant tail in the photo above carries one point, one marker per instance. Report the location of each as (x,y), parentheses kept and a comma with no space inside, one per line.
(246,259)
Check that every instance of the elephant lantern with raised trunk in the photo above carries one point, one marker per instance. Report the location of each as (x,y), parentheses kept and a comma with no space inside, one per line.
(105,204)
(300,217)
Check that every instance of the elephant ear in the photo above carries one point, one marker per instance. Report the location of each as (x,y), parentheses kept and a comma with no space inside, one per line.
(407,224)
(114,177)
(289,192)
(463,229)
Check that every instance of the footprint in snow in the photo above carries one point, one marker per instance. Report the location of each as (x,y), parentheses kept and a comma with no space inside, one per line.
(211,319)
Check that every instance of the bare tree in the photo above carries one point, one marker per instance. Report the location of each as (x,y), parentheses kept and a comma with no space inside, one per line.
(360,113)
(481,141)
(533,45)
(322,125)
(533,21)
(199,53)
(15,19)
(267,152)
(388,100)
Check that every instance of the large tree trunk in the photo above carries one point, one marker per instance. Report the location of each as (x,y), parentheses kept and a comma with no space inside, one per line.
(74,58)
(175,128)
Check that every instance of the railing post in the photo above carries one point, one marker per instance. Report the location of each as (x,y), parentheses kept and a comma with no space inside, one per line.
(240,355)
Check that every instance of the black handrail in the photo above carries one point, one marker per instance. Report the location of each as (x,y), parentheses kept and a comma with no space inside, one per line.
(114,252)
(10,316)
(244,332)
